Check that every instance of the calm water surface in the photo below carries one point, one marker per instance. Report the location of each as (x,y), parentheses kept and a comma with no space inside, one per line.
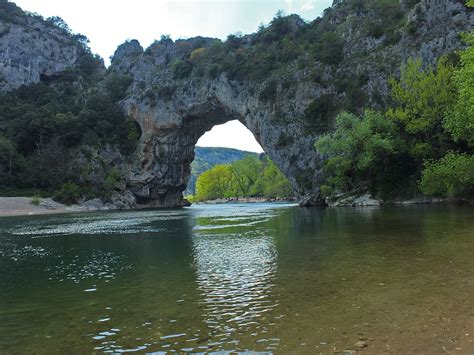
(264,277)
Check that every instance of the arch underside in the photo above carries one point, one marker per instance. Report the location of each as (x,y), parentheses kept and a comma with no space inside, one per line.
(165,156)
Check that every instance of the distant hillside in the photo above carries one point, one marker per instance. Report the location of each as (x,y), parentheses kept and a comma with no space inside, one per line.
(207,157)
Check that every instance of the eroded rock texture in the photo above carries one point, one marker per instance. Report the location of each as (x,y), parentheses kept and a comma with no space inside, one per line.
(32,50)
(175,110)
(172,125)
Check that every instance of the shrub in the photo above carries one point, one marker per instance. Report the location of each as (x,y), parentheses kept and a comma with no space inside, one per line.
(197,53)
(111,183)
(319,115)
(182,68)
(68,194)
(165,92)
(269,91)
(451,176)
(117,85)
(330,48)
(36,199)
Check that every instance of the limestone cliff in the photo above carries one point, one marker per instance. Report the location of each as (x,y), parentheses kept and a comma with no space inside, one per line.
(32,48)
(285,83)
(182,89)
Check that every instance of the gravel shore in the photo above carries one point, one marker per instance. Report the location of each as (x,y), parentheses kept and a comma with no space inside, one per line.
(22,206)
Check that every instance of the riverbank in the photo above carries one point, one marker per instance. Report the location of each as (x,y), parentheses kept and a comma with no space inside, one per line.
(245,200)
(23,206)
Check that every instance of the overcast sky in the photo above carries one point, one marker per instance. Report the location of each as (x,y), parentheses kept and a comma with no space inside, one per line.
(108,23)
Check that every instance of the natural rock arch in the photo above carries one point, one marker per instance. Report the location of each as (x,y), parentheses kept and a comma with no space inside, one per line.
(172,123)
(175,100)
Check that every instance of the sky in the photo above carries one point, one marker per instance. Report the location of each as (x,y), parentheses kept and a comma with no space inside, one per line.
(109,23)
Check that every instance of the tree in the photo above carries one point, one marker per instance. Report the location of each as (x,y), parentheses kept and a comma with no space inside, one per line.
(460,120)
(451,176)
(273,183)
(10,159)
(214,183)
(358,151)
(243,178)
(422,97)
(245,173)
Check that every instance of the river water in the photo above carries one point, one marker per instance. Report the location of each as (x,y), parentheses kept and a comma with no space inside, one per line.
(257,277)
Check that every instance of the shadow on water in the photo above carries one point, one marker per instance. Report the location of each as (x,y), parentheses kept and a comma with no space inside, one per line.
(263,277)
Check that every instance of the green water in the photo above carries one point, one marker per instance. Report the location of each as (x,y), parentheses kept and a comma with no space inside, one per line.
(256,277)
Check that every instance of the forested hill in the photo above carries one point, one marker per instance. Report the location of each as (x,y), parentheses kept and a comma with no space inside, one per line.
(208,157)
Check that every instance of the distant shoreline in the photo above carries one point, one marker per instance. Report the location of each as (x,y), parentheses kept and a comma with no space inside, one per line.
(22,206)
(244,200)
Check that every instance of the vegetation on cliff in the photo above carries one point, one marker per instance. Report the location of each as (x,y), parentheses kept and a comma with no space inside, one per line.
(423,142)
(44,127)
(289,80)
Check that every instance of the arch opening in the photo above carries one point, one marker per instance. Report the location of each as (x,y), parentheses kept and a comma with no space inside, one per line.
(222,144)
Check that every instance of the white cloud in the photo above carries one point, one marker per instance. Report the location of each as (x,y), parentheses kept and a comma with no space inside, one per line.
(307,6)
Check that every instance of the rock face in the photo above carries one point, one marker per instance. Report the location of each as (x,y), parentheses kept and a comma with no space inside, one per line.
(182,108)
(175,101)
(172,126)
(31,48)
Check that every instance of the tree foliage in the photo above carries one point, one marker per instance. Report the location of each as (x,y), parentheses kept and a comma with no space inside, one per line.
(452,175)
(248,177)
(214,183)
(460,120)
(425,137)
(422,97)
(42,124)
(358,151)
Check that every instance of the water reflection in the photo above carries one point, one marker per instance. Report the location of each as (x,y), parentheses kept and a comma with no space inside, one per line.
(235,274)
(265,278)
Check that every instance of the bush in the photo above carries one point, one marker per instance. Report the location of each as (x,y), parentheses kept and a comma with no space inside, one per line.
(269,92)
(319,115)
(182,68)
(330,48)
(451,176)
(68,194)
(197,53)
(36,199)
(117,85)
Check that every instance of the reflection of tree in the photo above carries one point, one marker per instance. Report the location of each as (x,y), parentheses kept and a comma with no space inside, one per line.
(235,277)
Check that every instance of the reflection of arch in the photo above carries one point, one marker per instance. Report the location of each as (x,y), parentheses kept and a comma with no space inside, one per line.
(235,276)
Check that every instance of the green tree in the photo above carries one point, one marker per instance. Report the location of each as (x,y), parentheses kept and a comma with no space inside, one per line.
(273,183)
(460,120)
(214,183)
(358,151)
(245,173)
(451,176)
(244,178)
(422,97)
(8,155)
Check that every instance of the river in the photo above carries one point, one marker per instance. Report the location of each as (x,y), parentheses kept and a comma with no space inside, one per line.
(252,277)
